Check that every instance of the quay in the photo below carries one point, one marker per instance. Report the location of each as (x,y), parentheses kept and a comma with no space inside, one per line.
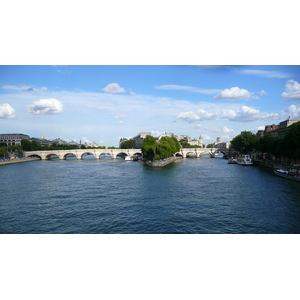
(16,161)
(271,164)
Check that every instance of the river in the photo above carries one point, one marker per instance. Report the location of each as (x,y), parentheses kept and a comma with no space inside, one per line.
(193,195)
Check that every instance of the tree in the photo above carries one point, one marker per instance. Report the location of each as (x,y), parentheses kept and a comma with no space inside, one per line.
(166,147)
(26,145)
(184,143)
(3,151)
(147,147)
(130,144)
(245,141)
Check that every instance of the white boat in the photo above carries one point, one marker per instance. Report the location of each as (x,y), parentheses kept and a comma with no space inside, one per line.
(232,160)
(128,158)
(245,160)
(292,173)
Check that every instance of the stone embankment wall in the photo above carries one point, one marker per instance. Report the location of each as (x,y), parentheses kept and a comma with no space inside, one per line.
(16,161)
(271,164)
(160,163)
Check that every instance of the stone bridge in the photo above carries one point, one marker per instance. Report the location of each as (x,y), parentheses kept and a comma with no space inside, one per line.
(198,152)
(62,154)
(113,153)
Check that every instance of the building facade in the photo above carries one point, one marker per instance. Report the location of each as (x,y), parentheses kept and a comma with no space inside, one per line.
(13,139)
(277,130)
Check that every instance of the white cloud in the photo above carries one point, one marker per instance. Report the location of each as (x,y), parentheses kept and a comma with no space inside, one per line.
(113,88)
(269,74)
(6,111)
(292,90)
(120,116)
(206,137)
(242,114)
(200,115)
(247,114)
(234,93)
(224,129)
(23,87)
(187,88)
(292,111)
(121,122)
(45,106)
(262,92)
(188,116)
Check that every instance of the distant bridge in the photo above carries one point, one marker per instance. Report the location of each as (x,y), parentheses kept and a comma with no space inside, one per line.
(198,152)
(79,153)
(113,153)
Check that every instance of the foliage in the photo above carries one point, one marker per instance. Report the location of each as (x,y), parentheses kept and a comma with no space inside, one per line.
(184,143)
(166,147)
(130,144)
(244,142)
(3,151)
(286,146)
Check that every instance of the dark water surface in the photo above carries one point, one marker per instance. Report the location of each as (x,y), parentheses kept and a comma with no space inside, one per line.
(115,196)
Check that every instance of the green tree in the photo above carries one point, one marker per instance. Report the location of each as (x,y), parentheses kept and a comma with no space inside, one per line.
(166,147)
(3,151)
(244,142)
(130,144)
(26,145)
(147,147)
(184,143)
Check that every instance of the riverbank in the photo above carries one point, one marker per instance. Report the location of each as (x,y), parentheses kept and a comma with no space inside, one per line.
(271,164)
(16,161)
(160,163)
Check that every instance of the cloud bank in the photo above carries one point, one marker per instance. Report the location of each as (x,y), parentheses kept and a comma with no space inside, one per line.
(242,114)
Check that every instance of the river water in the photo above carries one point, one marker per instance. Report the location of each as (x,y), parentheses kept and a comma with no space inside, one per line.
(193,195)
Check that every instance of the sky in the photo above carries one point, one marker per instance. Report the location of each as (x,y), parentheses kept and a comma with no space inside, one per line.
(103,103)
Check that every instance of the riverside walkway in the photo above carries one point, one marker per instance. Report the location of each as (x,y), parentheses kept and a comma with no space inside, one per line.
(4,162)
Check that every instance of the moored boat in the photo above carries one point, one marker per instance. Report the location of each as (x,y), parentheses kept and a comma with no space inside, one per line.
(245,160)
(232,160)
(292,173)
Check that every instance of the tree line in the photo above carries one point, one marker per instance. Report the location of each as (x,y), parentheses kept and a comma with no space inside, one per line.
(34,146)
(287,146)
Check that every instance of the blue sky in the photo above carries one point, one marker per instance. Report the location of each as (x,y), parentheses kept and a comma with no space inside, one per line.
(102,103)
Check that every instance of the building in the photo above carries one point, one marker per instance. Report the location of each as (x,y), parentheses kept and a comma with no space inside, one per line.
(278,130)
(13,139)
(122,140)
(192,142)
(140,138)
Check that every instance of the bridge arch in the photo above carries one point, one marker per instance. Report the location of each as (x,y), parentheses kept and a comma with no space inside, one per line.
(52,156)
(69,154)
(106,155)
(35,155)
(122,154)
(87,153)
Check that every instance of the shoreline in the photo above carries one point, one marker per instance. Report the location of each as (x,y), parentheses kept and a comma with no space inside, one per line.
(271,164)
(16,161)
(160,163)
